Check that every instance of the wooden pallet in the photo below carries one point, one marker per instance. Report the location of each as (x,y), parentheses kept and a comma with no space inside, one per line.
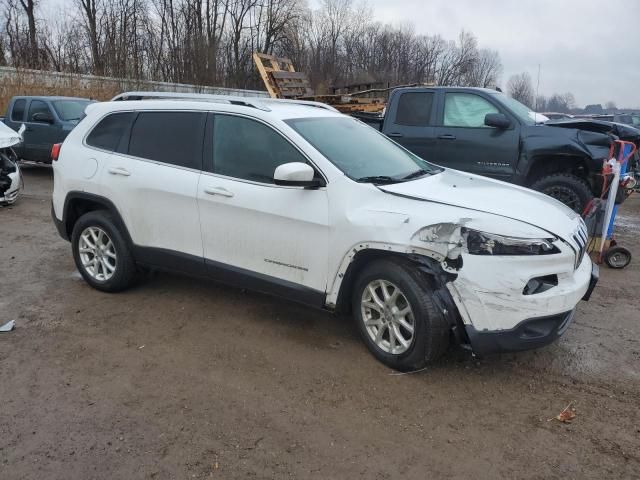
(282,81)
(280,77)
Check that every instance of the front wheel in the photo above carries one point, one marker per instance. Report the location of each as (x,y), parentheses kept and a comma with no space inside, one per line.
(397,317)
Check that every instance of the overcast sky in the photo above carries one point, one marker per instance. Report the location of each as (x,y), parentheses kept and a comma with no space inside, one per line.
(589,47)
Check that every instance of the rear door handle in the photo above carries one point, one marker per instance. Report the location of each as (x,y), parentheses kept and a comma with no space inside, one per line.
(395,135)
(447,136)
(119,171)
(218,191)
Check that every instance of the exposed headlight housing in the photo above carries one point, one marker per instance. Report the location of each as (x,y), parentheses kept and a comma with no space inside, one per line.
(482,243)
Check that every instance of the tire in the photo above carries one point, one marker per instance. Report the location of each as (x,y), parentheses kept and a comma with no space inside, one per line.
(430,337)
(573,191)
(617,257)
(113,267)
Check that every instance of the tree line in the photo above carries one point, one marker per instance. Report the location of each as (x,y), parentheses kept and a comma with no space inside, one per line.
(210,42)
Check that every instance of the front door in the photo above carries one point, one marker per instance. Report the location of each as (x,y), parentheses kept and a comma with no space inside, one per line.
(255,233)
(39,135)
(464,142)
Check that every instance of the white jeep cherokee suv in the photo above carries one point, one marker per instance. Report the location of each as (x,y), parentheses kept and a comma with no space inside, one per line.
(298,200)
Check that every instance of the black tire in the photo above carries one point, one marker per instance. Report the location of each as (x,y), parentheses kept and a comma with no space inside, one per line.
(617,257)
(125,267)
(431,330)
(573,191)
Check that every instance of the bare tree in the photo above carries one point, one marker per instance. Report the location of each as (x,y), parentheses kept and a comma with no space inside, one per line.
(520,88)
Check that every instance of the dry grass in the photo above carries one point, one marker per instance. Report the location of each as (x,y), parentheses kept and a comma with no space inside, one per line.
(71,87)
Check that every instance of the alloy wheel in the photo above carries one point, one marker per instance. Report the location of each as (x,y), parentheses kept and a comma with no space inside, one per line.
(388,317)
(97,253)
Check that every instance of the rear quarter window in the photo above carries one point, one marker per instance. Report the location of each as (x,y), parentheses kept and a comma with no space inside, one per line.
(169,137)
(107,133)
(414,109)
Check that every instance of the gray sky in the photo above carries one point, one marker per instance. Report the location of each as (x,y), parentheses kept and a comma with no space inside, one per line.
(590,47)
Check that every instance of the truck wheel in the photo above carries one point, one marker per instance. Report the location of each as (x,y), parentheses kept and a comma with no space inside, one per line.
(573,191)
(397,317)
(101,253)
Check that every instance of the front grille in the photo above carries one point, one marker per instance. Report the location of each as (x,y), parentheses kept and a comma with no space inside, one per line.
(580,239)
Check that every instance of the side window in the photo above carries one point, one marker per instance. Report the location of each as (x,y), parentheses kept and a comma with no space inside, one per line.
(168,137)
(38,106)
(17,114)
(247,149)
(107,134)
(466,110)
(414,109)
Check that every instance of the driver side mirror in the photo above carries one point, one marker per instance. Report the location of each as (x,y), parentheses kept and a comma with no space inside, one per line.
(42,117)
(497,120)
(296,174)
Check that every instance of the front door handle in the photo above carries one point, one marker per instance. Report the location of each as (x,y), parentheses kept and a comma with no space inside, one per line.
(218,191)
(447,136)
(395,135)
(119,171)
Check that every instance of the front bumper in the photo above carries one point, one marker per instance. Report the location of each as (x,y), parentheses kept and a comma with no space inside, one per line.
(528,334)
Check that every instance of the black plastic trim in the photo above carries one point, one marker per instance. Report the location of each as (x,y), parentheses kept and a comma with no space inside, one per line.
(260,282)
(528,334)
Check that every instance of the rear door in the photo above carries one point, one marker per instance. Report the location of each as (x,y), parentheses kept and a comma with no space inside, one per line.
(409,121)
(152,179)
(464,142)
(39,135)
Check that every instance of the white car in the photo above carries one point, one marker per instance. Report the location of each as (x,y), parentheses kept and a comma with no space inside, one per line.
(10,175)
(298,200)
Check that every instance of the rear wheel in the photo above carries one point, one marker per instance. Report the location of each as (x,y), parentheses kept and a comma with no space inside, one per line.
(101,254)
(569,189)
(397,317)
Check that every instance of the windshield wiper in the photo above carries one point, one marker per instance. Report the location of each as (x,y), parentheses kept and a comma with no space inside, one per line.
(377,179)
(416,174)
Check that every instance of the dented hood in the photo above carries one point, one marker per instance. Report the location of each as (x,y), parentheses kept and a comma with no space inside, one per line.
(473,192)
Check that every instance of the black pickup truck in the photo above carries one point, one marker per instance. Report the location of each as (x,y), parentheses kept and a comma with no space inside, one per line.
(488,133)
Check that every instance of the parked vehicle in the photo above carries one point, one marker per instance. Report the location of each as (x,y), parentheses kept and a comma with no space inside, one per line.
(47,120)
(485,132)
(10,175)
(297,200)
(632,119)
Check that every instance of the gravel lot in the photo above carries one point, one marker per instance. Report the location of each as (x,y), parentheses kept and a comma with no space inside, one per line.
(181,379)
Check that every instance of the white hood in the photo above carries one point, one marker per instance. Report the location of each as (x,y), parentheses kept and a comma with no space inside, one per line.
(8,136)
(453,187)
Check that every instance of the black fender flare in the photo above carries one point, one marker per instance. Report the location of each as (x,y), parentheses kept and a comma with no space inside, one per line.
(69,216)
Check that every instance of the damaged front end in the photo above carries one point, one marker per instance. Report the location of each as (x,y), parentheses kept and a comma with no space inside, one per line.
(10,175)
(503,293)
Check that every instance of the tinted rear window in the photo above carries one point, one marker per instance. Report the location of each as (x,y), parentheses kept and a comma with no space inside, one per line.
(414,109)
(17,114)
(107,134)
(168,137)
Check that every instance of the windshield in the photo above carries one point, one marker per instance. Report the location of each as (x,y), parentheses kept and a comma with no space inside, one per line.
(361,152)
(524,113)
(70,109)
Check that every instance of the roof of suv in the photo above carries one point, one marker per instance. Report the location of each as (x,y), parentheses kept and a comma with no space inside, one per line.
(258,106)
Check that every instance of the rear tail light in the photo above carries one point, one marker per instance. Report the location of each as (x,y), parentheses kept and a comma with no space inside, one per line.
(55,151)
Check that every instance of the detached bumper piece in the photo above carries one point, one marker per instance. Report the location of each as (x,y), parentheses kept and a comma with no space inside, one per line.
(595,276)
(529,334)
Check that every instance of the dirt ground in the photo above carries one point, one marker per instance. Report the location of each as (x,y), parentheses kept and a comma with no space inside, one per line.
(180,379)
